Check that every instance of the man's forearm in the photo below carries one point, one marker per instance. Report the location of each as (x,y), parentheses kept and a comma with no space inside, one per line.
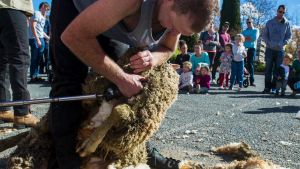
(90,53)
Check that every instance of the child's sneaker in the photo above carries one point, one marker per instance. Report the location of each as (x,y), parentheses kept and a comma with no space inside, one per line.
(221,88)
(239,89)
(214,82)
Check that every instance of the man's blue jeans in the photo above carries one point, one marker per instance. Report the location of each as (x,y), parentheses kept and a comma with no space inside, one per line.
(237,73)
(36,55)
(273,60)
(250,63)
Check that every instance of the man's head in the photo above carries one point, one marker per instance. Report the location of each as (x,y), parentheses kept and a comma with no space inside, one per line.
(249,23)
(187,16)
(44,7)
(281,11)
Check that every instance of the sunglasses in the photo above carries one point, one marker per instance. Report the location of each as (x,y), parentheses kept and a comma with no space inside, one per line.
(281,12)
(249,22)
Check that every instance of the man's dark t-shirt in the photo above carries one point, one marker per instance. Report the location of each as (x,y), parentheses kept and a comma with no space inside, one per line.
(182,58)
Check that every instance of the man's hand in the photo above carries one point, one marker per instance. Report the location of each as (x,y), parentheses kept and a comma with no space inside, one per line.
(131,85)
(248,39)
(142,61)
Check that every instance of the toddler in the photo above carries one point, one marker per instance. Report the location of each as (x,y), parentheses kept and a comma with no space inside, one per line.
(202,79)
(225,67)
(237,64)
(186,77)
(282,74)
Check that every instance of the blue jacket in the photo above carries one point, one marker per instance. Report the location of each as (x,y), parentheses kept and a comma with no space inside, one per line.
(254,34)
(277,34)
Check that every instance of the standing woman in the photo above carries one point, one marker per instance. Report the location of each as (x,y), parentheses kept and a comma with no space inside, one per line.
(210,40)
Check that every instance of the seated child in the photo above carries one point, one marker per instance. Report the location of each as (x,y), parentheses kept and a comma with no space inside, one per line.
(295,79)
(202,79)
(186,77)
(282,74)
(225,67)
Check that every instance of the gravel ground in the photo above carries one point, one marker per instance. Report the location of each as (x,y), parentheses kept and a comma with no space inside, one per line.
(266,123)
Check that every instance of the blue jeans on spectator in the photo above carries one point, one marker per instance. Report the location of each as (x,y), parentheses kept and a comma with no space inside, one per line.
(237,73)
(36,55)
(273,60)
(14,59)
(250,63)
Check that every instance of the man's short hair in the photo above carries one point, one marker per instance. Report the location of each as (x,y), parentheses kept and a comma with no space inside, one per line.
(201,12)
(281,6)
(42,4)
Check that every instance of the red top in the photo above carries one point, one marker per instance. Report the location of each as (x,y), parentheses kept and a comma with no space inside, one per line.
(204,81)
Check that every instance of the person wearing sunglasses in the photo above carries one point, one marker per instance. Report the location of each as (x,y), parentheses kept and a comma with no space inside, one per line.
(251,35)
(277,34)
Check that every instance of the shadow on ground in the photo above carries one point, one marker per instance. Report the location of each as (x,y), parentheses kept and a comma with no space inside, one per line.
(283,109)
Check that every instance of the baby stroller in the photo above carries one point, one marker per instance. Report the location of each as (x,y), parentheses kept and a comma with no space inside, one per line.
(246,81)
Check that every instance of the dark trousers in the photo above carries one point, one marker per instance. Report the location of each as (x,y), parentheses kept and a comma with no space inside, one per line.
(273,61)
(69,74)
(14,58)
(212,56)
(216,64)
(250,63)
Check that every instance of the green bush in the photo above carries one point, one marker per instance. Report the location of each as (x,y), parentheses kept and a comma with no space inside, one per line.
(259,67)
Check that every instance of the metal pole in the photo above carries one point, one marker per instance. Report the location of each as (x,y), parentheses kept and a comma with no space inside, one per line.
(49,100)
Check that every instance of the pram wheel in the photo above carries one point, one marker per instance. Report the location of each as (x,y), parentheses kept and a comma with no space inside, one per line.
(246,83)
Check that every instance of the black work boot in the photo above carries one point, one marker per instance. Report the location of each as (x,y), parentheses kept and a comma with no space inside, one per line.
(158,161)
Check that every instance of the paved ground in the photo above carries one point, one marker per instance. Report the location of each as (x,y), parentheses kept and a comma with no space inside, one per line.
(267,123)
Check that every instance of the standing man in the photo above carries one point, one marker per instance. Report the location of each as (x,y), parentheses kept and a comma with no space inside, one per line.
(14,60)
(276,35)
(224,38)
(251,34)
(36,41)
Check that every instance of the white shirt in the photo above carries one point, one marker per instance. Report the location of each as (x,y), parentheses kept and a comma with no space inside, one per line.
(186,79)
(40,24)
(238,52)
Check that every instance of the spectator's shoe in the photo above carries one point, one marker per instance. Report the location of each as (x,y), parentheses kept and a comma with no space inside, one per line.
(230,88)
(29,120)
(221,88)
(273,91)
(6,116)
(157,161)
(276,93)
(266,91)
(239,89)
(252,84)
(214,82)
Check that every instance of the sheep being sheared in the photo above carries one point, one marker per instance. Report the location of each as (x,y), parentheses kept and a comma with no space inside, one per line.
(114,132)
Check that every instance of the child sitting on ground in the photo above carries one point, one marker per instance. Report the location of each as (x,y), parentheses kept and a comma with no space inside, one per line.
(186,77)
(282,74)
(294,81)
(202,79)
(225,67)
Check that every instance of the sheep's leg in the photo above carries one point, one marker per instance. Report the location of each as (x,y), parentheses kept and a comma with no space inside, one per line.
(90,145)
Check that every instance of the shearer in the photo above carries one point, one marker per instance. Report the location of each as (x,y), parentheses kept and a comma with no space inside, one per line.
(94,33)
